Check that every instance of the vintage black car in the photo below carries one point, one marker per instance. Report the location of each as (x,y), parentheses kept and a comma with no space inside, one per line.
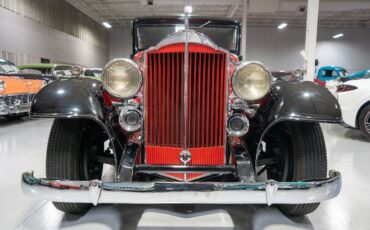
(186,121)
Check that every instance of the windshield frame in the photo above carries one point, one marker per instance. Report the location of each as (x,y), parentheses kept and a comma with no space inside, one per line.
(11,66)
(193,21)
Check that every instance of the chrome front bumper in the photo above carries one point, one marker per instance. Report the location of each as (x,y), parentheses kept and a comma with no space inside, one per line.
(13,104)
(269,192)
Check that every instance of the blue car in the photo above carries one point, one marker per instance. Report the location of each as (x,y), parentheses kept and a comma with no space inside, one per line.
(330,73)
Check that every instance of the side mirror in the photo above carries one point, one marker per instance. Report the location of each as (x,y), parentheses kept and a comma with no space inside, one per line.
(76,70)
(316,62)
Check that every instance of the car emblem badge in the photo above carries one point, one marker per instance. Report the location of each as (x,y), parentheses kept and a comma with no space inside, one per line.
(185,156)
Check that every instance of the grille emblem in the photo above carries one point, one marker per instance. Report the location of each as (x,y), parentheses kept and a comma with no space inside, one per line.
(185,156)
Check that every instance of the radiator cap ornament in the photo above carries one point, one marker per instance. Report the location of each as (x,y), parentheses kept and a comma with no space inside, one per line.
(185,156)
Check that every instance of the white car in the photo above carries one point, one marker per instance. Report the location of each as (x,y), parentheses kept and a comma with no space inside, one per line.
(354,99)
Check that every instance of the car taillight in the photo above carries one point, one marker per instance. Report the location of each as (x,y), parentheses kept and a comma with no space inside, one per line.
(345,88)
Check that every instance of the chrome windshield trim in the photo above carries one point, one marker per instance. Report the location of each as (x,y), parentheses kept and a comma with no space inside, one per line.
(191,36)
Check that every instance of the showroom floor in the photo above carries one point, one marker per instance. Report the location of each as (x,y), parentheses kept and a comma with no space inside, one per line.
(23,145)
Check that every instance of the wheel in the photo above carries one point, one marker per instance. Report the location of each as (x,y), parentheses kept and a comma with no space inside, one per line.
(364,121)
(299,153)
(72,145)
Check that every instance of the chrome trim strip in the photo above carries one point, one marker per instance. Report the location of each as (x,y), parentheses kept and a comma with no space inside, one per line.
(221,169)
(227,105)
(186,70)
(269,192)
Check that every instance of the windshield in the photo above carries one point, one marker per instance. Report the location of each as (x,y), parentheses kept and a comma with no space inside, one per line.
(151,35)
(7,68)
(343,73)
(93,73)
(367,75)
(62,71)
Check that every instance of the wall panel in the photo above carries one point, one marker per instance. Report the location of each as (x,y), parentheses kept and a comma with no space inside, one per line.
(52,29)
(62,16)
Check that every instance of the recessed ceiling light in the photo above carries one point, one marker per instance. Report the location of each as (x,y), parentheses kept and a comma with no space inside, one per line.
(188,9)
(282,26)
(337,36)
(107,25)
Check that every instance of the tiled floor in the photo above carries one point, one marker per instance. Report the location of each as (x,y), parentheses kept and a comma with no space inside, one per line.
(23,145)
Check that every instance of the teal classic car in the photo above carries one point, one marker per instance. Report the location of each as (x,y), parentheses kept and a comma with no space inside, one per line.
(329,73)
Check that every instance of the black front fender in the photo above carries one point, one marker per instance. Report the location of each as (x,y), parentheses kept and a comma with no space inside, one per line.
(302,101)
(78,97)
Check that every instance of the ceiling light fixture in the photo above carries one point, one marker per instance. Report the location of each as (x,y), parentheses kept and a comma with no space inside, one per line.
(107,25)
(282,26)
(188,9)
(337,36)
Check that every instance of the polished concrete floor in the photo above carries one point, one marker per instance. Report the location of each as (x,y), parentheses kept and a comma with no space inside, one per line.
(23,145)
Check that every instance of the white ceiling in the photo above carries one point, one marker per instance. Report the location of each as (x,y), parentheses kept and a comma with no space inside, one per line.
(333,13)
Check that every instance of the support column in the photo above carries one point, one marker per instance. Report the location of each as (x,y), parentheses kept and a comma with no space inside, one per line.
(311,38)
(244,30)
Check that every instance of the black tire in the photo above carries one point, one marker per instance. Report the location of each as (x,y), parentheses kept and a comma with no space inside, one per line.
(68,157)
(302,156)
(364,121)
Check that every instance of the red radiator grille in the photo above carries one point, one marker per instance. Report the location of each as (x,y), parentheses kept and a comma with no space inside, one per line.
(206,103)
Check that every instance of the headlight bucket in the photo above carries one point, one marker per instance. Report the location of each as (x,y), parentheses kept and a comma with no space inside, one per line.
(130,119)
(251,81)
(237,125)
(122,78)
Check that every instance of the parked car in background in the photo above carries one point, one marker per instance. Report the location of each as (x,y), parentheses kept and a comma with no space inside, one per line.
(56,70)
(16,93)
(354,99)
(291,76)
(329,76)
(94,73)
(185,123)
(358,75)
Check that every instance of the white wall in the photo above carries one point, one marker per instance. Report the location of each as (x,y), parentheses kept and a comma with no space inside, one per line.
(279,49)
(120,42)
(24,40)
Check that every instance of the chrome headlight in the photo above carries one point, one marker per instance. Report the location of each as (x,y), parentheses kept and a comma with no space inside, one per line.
(238,125)
(130,119)
(122,78)
(251,81)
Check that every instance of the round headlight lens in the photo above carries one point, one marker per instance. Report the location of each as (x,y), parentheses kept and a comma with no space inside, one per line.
(122,78)
(251,81)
